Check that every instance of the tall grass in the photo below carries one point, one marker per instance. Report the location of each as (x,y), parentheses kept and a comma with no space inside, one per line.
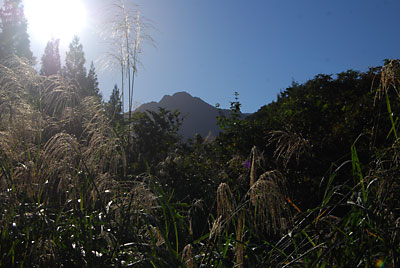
(65,199)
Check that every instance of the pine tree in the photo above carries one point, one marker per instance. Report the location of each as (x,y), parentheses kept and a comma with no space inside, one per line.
(51,64)
(14,38)
(74,69)
(92,83)
(114,106)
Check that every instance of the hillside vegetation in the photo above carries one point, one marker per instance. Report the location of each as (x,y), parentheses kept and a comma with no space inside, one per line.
(310,180)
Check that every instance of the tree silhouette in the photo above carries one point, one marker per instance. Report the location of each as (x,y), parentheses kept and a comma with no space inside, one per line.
(114,105)
(14,38)
(92,83)
(51,64)
(74,69)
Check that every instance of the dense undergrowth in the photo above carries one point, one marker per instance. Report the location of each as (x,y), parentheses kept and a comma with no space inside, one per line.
(310,180)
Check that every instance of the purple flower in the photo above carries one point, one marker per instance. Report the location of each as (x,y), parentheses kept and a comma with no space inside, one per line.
(246,164)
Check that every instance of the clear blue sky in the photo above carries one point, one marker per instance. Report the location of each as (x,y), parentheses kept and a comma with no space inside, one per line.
(212,48)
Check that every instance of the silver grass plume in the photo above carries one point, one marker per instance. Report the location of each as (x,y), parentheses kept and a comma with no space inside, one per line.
(104,149)
(267,196)
(390,78)
(224,201)
(288,144)
(188,256)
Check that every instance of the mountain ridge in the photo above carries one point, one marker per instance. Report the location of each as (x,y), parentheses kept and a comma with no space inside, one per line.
(199,116)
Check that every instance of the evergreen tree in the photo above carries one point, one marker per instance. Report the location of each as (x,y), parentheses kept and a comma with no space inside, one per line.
(74,69)
(114,106)
(51,64)
(14,38)
(92,83)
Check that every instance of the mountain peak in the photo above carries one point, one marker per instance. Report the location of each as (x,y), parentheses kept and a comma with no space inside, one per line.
(199,116)
(178,96)
(182,94)
(184,102)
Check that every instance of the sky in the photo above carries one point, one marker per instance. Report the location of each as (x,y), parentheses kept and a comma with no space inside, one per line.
(213,48)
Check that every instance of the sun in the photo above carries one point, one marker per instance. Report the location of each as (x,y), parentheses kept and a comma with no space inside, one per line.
(58,19)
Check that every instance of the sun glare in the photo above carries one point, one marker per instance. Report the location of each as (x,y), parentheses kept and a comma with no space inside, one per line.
(49,19)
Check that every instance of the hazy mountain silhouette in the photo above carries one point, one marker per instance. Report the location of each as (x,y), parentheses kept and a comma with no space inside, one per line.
(199,116)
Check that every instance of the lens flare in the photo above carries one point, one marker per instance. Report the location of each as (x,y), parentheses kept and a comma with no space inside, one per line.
(380,263)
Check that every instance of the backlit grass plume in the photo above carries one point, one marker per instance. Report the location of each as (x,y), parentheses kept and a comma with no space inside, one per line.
(268,199)
(390,74)
(288,144)
(50,133)
(224,201)
(187,256)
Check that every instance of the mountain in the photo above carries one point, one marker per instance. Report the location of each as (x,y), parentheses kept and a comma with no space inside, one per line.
(199,116)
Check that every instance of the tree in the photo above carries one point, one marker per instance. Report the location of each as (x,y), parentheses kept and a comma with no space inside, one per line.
(92,83)
(14,38)
(234,137)
(74,69)
(156,133)
(114,106)
(51,64)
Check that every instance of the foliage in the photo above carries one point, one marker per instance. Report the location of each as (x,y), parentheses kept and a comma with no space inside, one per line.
(74,69)
(155,134)
(113,107)
(325,115)
(310,180)
(72,196)
(14,39)
(92,83)
(63,202)
(51,63)
(235,137)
